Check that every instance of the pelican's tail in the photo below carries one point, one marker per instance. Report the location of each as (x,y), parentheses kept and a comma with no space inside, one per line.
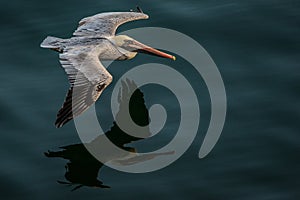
(53,43)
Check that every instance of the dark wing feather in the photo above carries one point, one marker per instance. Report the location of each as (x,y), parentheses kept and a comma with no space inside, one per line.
(77,102)
(106,24)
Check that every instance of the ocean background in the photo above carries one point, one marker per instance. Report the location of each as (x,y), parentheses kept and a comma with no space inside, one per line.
(256,46)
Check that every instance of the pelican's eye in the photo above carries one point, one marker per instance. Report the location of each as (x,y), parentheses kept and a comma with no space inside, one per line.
(129,45)
(128,42)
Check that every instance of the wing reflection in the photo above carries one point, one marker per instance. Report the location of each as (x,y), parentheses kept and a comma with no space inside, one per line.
(82,168)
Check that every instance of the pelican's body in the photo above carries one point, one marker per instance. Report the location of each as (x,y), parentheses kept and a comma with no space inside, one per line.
(94,39)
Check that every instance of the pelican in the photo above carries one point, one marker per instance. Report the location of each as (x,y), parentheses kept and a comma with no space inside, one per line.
(80,56)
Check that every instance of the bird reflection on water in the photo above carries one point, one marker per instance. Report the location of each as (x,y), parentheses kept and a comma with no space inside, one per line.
(82,168)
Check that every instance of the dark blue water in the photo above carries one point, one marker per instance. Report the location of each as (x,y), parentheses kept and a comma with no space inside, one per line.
(256,46)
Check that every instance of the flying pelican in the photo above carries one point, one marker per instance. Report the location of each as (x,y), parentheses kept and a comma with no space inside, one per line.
(94,39)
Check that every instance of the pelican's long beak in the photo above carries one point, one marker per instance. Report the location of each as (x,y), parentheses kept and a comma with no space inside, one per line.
(149,50)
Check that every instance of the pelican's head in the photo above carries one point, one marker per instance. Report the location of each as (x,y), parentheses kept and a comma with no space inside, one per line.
(131,47)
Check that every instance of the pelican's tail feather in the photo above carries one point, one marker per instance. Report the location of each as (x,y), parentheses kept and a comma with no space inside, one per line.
(53,43)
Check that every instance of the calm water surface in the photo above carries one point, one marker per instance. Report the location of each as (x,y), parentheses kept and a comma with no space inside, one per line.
(256,46)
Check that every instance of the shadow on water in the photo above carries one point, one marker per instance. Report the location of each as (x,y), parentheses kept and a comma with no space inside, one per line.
(83,168)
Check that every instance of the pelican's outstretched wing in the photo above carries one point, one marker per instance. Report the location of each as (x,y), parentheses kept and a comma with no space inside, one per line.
(87,77)
(106,24)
